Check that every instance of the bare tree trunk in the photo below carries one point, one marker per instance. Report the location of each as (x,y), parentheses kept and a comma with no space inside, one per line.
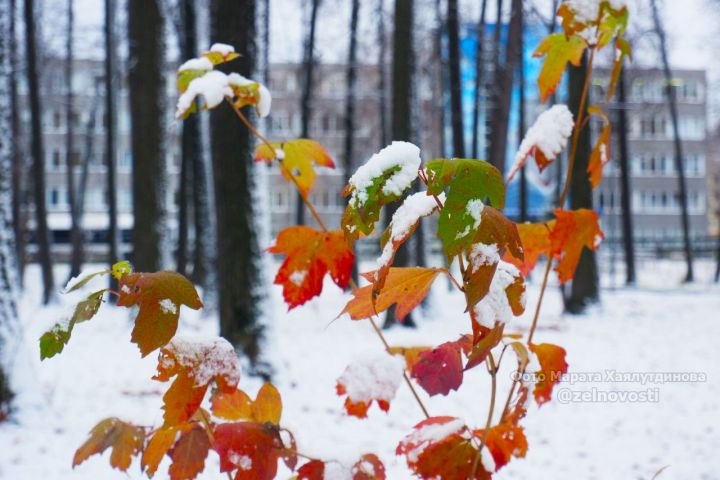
(679,158)
(403,67)
(625,199)
(456,113)
(76,234)
(111,137)
(8,268)
(350,86)
(585,286)
(503,86)
(233,22)
(42,233)
(266,42)
(523,197)
(494,84)
(382,73)
(306,101)
(18,163)
(479,70)
(146,78)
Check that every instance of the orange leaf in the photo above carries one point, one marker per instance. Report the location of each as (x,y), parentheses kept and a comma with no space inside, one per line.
(558,50)
(535,239)
(195,363)
(234,405)
(481,349)
(297,157)
(189,453)
(505,441)
(250,449)
(310,255)
(573,231)
(406,287)
(159,297)
(440,447)
(158,446)
(600,156)
(552,367)
(124,438)
(369,467)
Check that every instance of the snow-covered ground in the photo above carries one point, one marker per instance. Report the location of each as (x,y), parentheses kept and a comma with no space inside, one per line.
(659,326)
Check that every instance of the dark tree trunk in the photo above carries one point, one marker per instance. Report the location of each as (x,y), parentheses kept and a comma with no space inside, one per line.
(350,86)
(42,233)
(146,79)
(625,198)
(493,89)
(233,22)
(584,288)
(456,113)
(479,86)
(679,158)
(403,66)
(306,101)
(503,87)
(266,42)
(18,164)
(442,74)
(382,74)
(111,136)
(523,197)
(8,271)
(76,235)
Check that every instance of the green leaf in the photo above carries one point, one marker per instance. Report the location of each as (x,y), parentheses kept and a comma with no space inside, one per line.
(54,340)
(558,50)
(84,281)
(471,183)
(360,217)
(120,269)
(187,76)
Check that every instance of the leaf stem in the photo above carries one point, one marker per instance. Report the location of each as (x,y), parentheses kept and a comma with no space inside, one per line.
(491,410)
(209,430)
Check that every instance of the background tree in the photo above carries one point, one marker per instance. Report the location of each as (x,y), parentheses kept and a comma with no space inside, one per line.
(8,272)
(146,80)
(456,112)
(503,86)
(42,233)
(232,144)
(523,187)
(584,288)
(479,85)
(382,73)
(403,65)
(111,138)
(306,100)
(18,163)
(677,142)
(625,195)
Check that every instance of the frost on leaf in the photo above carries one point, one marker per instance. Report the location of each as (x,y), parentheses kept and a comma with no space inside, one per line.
(552,367)
(195,362)
(381,180)
(441,448)
(535,239)
(54,340)
(404,222)
(470,185)
(250,450)
(237,405)
(546,139)
(406,287)
(154,293)
(574,230)
(310,255)
(298,158)
(370,379)
(505,298)
(558,50)
(125,440)
(439,370)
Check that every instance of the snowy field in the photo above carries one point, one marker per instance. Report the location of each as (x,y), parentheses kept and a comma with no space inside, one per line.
(659,326)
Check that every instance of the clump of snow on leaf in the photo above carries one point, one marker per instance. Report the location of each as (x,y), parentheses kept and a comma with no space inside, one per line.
(548,134)
(495,305)
(430,434)
(202,63)
(487,460)
(414,207)
(205,357)
(588,10)
(403,156)
(483,254)
(265,98)
(222,48)
(373,378)
(213,87)
(168,306)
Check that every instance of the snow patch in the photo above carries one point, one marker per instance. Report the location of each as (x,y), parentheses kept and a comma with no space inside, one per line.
(404,155)
(206,357)
(373,378)
(588,10)
(495,306)
(213,86)
(549,134)
(202,64)
(430,434)
(168,306)
(222,48)
(336,471)
(413,208)
(298,277)
(487,461)
(243,462)
(483,254)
